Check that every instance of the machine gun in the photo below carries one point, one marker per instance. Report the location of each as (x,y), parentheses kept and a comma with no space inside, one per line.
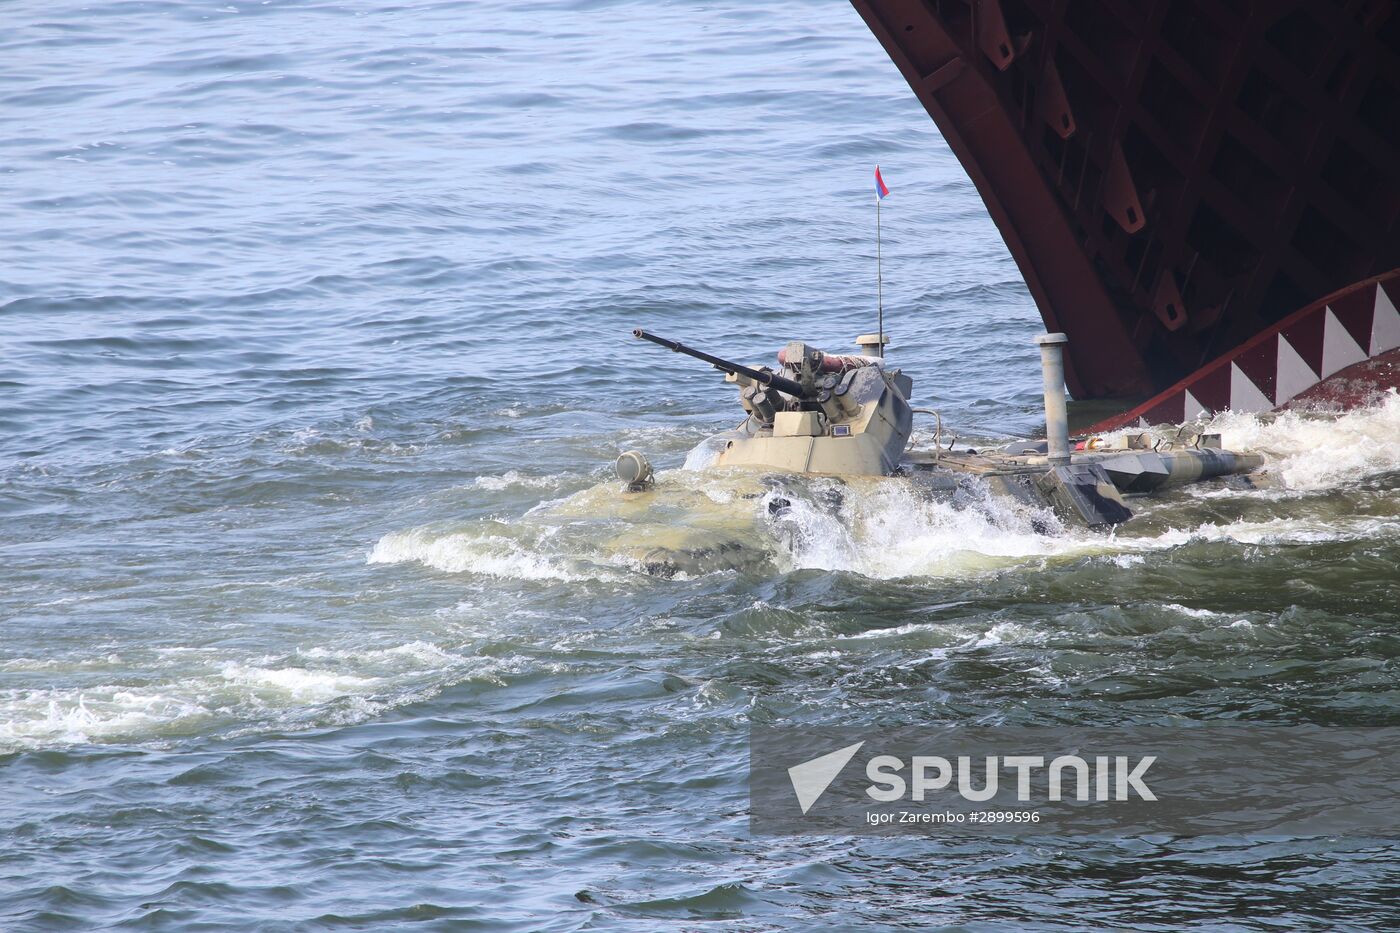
(767,379)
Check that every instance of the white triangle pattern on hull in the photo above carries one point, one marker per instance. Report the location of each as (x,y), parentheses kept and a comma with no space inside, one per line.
(1339,350)
(1385,326)
(1194,409)
(1244,394)
(1294,375)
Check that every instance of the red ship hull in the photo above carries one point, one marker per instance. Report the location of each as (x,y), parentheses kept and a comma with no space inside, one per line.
(1181,181)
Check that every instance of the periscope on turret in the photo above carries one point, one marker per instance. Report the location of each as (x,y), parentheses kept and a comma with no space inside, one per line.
(841,415)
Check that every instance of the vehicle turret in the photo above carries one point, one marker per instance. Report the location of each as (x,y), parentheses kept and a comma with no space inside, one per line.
(819,413)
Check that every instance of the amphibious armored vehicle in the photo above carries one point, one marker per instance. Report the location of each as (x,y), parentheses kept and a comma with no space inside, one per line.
(849,416)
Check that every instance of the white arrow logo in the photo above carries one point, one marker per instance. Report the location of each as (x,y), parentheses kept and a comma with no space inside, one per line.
(811,778)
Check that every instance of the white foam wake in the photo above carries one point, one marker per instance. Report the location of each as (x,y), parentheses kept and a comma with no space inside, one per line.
(1313,452)
(181,692)
(469,552)
(886,529)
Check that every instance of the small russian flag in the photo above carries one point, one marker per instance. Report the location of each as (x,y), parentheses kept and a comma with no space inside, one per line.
(882,190)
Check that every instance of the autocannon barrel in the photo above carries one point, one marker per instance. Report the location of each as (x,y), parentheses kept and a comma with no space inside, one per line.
(773,381)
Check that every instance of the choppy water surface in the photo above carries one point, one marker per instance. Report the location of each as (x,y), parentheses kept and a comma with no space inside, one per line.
(319,607)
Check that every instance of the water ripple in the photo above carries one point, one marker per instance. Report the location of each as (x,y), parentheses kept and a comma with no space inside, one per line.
(321,611)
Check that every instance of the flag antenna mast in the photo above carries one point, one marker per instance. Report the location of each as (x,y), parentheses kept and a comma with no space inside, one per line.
(881,191)
(879,284)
